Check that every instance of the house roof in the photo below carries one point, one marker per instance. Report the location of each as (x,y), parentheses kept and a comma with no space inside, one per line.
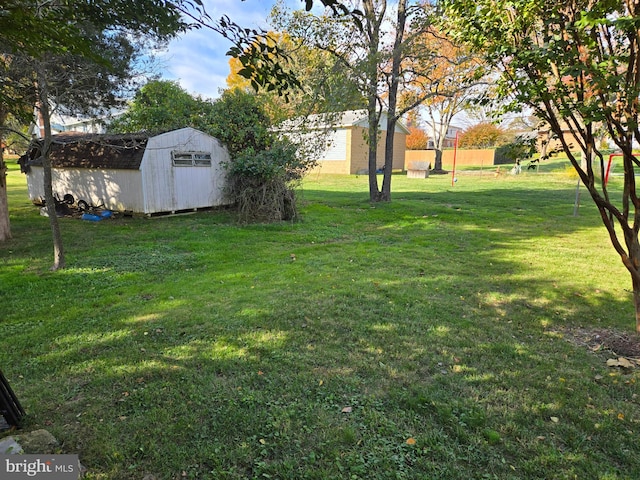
(360,118)
(74,150)
(354,117)
(336,120)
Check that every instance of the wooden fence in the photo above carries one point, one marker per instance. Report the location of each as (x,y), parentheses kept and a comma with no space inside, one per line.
(476,158)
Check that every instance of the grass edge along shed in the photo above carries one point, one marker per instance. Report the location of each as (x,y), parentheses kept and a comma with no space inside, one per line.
(135,173)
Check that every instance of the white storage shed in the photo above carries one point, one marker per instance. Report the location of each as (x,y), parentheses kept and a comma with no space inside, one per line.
(176,171)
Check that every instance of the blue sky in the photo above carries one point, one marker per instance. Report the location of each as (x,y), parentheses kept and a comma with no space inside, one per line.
(197,59)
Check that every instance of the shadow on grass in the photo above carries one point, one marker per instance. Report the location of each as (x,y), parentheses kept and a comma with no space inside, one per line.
(317,350)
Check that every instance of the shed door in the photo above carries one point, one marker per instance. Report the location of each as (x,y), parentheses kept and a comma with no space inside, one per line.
(192,184)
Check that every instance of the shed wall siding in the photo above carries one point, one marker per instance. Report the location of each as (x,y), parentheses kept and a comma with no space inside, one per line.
(119,190)
(168,188)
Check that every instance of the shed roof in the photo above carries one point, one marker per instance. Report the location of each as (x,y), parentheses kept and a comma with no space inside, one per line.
(105,151)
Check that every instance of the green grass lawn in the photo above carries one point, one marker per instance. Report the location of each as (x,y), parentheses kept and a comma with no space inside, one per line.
(427,338)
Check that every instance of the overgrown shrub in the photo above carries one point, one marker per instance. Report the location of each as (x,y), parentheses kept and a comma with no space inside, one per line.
(262,183)
(264,170)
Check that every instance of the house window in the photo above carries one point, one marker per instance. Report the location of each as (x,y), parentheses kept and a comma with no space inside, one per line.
(191,159)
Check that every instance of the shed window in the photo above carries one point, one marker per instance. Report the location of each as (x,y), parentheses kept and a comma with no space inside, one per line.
(191,159)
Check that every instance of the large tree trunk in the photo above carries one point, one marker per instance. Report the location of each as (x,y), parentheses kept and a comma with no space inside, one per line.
(625,243)
(437,163)
(636,302)
(372,29)
(43,106)
(630,258)
(5,226)
(374,190)
(385,194)
(439,147)
(396,61)
(439,130)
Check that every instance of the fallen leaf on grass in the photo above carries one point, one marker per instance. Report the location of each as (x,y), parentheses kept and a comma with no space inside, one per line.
(554,419)
(411,441)
(620,362)
(347,410)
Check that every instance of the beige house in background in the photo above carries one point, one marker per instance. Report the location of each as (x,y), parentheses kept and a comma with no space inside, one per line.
(347,150)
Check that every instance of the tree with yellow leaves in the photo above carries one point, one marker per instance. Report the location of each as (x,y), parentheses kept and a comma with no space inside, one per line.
(446,76)
(235,81)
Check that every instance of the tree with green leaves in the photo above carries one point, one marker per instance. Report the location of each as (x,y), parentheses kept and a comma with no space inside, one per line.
(160,106)
(40,30)
(238,119)
(450,78)
(575,63)
(325,84)
(377,64)
(265,167)
(265,64)
(82,63)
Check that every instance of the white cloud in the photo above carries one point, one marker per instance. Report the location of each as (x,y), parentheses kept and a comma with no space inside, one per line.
(197,60)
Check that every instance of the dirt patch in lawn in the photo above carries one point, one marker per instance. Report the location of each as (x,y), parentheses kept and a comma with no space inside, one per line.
(621,344)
